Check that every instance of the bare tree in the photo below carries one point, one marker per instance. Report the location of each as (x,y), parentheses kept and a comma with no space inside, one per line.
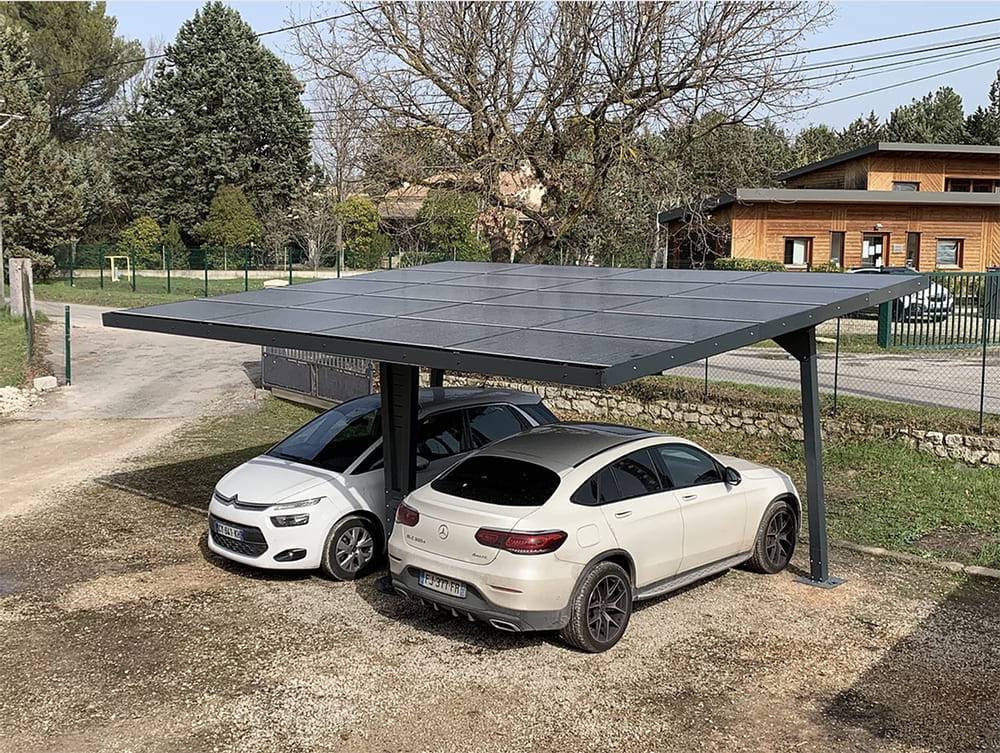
(556,90)
(314,222)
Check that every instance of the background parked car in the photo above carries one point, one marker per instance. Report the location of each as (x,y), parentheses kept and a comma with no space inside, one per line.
(317,498)
(564,526)
(935,303)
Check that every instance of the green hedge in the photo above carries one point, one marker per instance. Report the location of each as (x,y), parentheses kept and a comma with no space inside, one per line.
(748,265)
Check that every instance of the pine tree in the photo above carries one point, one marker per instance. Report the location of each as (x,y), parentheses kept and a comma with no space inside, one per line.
(231,220)
(861,132)
(38,202)
(220,109)
(936,118)
(815,143)
(983,125)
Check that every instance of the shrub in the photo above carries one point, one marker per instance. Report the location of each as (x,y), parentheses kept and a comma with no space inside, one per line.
(445,226)
(360,219)
(141,237)
(173,243)
(826,267)
(231,221)
(748,265)
(43,266)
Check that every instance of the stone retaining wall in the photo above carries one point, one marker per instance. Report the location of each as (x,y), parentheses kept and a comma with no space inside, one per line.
(616,406)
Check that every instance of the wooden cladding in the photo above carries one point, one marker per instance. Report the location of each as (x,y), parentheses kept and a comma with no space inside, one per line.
(878,172)
(759,231)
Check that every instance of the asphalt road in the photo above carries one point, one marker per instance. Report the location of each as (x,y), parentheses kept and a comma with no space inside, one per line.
(921,378)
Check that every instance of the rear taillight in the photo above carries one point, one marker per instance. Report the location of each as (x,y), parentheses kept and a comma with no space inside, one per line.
(521,542)
(407,516)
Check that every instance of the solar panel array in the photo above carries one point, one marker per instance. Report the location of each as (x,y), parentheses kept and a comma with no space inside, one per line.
(578,325)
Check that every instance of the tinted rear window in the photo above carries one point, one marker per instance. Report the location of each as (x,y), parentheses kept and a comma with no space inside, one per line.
(499,481)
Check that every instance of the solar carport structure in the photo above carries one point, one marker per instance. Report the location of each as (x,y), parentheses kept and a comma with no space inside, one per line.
(587,326)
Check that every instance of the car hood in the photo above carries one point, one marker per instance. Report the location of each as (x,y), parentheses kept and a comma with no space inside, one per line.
(268,480)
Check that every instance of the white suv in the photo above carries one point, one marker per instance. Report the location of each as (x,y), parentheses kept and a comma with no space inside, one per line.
(317,498)
(563,526)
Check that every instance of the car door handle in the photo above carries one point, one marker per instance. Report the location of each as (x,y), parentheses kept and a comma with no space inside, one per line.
(623,514)
(689,497)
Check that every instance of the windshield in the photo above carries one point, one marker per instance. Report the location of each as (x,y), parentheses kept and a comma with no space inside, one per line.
(499,481)
(335,439)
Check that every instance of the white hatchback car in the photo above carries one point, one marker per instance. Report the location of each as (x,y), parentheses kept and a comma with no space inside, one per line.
(562,527)
(317,498)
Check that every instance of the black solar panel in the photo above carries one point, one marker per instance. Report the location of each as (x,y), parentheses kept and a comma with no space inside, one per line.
(578,325)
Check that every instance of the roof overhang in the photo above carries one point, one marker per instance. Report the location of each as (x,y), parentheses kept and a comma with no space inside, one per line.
(961,150)
(589,326)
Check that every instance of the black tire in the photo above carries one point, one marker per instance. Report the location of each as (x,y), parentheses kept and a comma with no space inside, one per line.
(606,594)
(776,537)
(359,536)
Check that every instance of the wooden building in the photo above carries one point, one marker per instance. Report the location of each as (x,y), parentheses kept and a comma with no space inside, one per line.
(929,206)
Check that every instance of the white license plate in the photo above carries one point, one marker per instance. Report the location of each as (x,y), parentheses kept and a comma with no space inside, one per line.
(223,530)
(442,585)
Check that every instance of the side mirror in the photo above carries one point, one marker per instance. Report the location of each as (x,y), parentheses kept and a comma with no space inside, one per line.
(733,477)
(422,463)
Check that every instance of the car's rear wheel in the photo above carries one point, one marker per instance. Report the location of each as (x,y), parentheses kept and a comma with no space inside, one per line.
(352,549)
(776,538)
(600,609)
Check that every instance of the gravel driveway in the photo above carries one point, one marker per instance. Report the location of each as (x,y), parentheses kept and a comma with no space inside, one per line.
(120,633)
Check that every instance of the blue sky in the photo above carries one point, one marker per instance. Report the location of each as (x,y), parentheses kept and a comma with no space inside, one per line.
(851,21)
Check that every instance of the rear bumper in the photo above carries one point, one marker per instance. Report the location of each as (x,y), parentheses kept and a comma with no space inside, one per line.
(475,606)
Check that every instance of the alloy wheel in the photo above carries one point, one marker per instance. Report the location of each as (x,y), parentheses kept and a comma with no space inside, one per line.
(607,609)
(354,549)
(779,539)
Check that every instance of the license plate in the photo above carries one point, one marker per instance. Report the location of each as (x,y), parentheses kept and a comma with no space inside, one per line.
(223,530)
(442,585)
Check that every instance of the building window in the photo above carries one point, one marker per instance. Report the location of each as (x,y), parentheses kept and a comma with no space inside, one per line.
(905,185)
(949,252)
(972,185)
(837,249)
(798,251)
(912,249)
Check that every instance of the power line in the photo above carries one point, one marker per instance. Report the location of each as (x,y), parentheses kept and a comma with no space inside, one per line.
(158,56)
(893,86)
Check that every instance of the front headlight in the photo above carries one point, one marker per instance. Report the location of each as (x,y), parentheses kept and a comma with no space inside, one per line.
(296,504)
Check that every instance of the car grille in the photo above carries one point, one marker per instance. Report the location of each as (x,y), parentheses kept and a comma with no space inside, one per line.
(254,544)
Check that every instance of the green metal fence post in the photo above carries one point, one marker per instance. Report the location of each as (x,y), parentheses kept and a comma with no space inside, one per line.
(72,264)
(69,370)
(288,253)
(170,263)
(246,269)
(338,265)
(100,264)
(390,259)
(884,324)
(205,256)
(132,264)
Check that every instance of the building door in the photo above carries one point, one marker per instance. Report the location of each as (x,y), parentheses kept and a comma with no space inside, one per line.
(873,246)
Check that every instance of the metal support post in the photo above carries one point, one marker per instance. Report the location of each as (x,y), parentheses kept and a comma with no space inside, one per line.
(399,385)
(288,253)
(170,263)
(132,264)
(205,258)
(246,269)
(801,344)
(69,369)
(437,377)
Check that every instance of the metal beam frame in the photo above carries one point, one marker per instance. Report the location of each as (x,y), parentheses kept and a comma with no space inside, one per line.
(399,387)
(801,344)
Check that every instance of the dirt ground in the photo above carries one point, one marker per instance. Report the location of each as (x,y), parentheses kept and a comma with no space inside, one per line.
(130,391)
(121,633)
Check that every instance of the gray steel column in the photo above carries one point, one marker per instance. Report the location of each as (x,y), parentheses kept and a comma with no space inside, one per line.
(801,344)
(399,385)
(437,377)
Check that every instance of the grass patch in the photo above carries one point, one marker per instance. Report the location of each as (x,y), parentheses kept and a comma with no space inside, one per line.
(148,290)
(883,494)
(14,367)
(781,400)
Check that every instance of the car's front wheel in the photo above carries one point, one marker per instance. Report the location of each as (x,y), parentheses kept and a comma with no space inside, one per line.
(352,548)
(600,609)
(776,537)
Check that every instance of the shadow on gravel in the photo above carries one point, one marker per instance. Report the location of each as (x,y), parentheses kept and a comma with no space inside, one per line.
(477,635)
(937,688)
(186,485)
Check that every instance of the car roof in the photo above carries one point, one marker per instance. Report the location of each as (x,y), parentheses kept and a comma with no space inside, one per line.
(565,445)
(436,398)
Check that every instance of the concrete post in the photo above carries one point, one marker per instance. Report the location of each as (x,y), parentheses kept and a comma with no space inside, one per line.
(20,274)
